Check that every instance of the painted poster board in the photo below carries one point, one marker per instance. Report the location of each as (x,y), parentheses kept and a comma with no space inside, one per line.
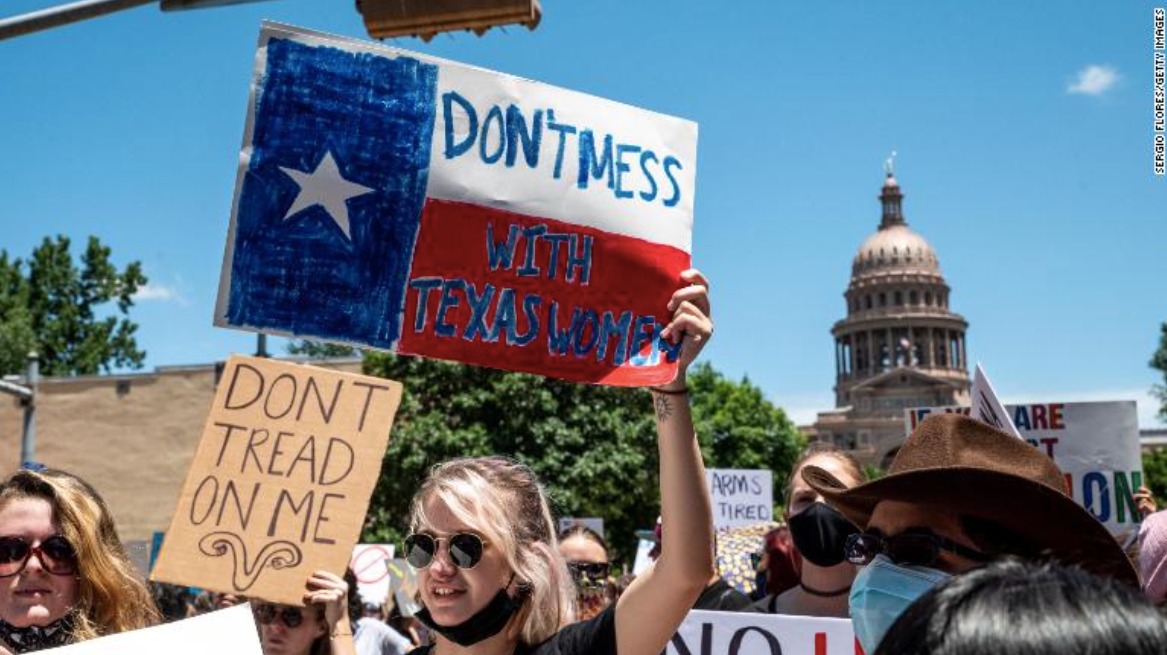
(230,630)
(593,523)
(746,633)
(1096,444)
(281,479)
(370,565)
(740,497)
(391,200)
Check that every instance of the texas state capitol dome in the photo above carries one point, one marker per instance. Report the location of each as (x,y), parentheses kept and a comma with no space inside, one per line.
(899,346)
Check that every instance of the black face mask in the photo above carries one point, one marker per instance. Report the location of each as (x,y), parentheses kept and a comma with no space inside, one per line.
(820,532)
(486,622)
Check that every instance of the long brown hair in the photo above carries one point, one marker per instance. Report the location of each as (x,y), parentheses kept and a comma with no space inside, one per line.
(111,598)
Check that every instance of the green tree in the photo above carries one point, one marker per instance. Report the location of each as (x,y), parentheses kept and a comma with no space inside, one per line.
(739,428)
(1159,363)
(594,447)
(1155,474)
(320,349)
(75,317)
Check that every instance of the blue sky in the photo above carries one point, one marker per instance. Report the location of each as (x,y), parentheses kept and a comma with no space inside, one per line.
(1023,133)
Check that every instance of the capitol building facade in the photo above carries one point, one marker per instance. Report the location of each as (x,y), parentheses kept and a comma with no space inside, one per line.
(900,344)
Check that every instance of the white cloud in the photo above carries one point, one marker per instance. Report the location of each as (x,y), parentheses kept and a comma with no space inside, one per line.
(159,292)
(1094,80)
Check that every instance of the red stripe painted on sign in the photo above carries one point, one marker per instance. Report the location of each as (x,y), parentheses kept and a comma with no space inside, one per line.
(537,295)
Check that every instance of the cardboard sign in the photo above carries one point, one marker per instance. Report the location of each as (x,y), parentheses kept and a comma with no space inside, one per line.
(740,497)
(281,479)
(1096,444)
(370,565)
(392,200)
(593,523)
(230,630)
(743,633)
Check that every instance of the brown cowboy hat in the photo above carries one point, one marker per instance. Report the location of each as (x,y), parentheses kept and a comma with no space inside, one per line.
(957,464)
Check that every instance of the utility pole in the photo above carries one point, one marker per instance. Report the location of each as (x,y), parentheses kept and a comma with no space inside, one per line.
(25,390)
(59,15)
(28,441)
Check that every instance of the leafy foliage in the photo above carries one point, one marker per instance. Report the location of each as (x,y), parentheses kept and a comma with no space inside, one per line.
(1155,474)
(1159,362)
(739,428)
(320,349)
(593,447)
(51,305)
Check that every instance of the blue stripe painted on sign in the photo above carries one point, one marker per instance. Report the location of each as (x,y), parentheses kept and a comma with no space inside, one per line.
(374,116)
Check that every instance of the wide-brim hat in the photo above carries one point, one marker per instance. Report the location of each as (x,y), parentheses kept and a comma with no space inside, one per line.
(957,464)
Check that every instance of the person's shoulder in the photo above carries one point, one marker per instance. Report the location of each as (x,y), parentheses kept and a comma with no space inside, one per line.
(764,605)
(594,636)
(721,596)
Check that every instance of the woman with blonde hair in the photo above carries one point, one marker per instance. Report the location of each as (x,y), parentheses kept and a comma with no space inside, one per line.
(64,574)
(490,577)
(819,532)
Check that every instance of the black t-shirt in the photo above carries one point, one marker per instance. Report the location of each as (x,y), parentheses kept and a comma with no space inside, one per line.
(596,636)
(721,596)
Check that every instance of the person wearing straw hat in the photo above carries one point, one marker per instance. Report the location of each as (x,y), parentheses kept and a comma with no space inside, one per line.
(959,494)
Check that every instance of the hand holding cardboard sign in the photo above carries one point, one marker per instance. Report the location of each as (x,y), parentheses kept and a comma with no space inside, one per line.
(331,592)
(691,324)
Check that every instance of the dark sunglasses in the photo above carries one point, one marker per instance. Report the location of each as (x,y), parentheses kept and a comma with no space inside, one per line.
(292,617)
(589,570)
(910,548)
(465,549)
(55,554)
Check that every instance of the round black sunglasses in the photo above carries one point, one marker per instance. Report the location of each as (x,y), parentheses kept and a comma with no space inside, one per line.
(465,549)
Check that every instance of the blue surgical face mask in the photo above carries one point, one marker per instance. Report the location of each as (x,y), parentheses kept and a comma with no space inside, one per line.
(881,592)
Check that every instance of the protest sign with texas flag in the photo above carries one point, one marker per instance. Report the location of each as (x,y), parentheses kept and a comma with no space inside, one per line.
(392,200)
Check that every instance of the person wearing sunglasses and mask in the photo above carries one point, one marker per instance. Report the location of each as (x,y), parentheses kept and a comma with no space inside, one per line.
(490,578)
(321,627)
(64,574)
(819,532)
(959,494)
(586,553)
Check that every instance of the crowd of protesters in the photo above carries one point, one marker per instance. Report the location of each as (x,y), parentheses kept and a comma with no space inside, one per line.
(968,538)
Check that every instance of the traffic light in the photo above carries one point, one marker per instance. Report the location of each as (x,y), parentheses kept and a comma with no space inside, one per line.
(425,18)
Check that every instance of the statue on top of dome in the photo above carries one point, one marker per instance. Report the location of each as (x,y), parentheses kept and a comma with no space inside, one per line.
(889,164)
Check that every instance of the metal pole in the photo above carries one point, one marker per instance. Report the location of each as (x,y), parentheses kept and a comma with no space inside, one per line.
(50,17)
(261,345)
(28,442)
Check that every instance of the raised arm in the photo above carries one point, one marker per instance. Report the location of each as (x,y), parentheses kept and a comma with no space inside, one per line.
(654,605)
